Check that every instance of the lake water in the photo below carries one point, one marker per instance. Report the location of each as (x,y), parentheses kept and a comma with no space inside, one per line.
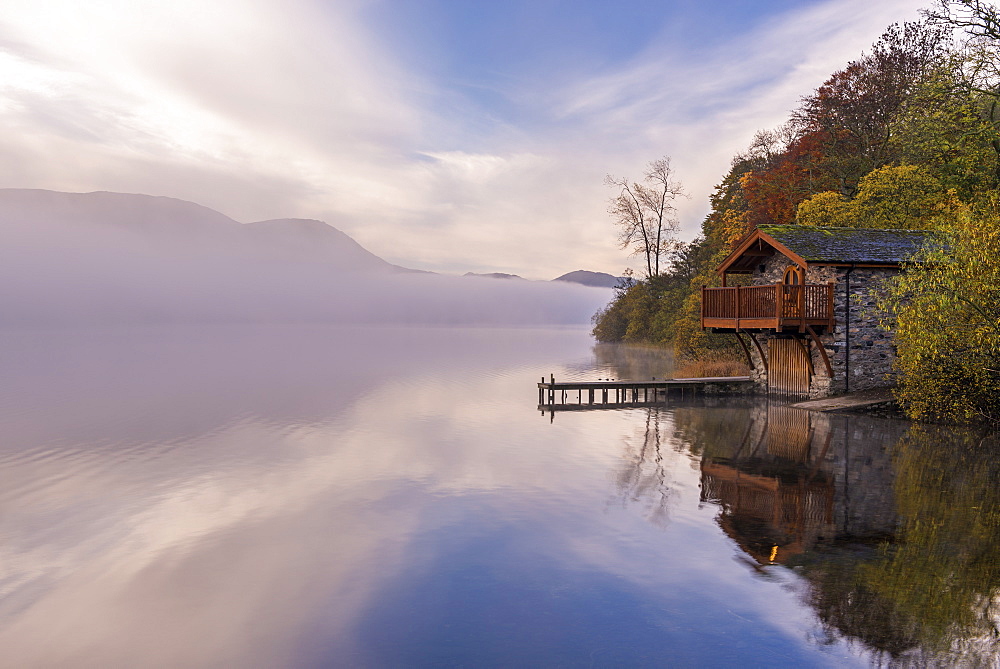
(314,497)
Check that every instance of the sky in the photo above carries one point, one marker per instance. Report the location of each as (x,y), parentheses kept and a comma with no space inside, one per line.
(445,135)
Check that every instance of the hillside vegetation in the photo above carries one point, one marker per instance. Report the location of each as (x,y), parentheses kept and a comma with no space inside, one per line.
(906,136)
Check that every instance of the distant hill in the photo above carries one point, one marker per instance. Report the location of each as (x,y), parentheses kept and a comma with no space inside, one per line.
(495,275)
(586,278)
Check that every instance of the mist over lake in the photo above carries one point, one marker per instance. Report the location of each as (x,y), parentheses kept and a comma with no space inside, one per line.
(113,258)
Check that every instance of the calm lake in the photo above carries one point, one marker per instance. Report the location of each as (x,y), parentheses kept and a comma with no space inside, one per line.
(349,497)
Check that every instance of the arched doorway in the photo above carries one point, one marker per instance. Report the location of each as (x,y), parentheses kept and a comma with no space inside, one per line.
(791,293)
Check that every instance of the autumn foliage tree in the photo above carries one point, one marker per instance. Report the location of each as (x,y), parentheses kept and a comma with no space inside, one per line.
(893,196)
(851,116)
(776,184)
(843,130)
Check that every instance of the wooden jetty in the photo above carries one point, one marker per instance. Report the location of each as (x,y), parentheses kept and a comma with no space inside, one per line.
(608,394)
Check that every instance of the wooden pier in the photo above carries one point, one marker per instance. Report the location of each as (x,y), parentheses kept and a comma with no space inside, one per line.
(608,394)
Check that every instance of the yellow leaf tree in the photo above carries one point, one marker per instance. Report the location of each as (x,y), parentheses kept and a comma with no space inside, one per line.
(946,308)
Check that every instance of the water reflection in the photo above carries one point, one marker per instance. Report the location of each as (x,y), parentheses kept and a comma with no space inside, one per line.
(930,596)
(331,497)
(796,479)
(644,477)
(895,528)
(229,496)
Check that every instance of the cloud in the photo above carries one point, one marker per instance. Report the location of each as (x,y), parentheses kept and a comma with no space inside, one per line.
(263,109)
(703,107)
(236,92)
(699,106)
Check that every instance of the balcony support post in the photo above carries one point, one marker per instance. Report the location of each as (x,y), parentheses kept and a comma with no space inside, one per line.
(703,307)
(800,301)
(746,351)
(829,304)
(760,350)
(822,351)
(804,343)
(779,306)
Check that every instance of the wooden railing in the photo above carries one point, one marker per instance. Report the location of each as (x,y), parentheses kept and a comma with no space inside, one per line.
(774,305)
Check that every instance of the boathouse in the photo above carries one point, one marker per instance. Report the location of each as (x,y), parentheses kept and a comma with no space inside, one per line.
(805,311)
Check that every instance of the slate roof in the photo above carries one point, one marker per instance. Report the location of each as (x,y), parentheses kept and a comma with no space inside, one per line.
(848,245)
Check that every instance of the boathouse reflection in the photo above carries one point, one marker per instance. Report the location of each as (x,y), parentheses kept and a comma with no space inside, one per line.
(893,528)
(795,478)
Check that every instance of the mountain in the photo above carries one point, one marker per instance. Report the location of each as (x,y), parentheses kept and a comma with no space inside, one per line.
(586,278)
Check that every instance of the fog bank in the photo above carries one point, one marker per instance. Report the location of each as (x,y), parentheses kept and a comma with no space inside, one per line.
(113,258)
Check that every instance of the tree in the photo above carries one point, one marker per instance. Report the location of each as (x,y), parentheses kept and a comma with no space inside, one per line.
(853,112)
(826,208)
(980,73)
(729,218)
(902,196)
(894,196)
(946,308)
(773,193)
(944,127)
(646,213)
(981,20)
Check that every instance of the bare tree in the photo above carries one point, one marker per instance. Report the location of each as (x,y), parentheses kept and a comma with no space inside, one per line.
(980,75)
(978,18)
(646,213)
(768,146)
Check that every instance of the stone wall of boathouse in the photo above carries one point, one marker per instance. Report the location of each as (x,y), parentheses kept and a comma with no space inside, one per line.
(860,350)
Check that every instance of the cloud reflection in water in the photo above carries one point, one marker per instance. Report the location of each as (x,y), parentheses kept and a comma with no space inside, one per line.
(306,496)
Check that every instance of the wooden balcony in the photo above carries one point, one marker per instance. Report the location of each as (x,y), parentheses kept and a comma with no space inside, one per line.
(779,307)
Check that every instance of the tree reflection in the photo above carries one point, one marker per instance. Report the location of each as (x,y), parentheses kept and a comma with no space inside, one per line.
(929,595)
(848,605)
(943,571)
(894,528)
(643,477)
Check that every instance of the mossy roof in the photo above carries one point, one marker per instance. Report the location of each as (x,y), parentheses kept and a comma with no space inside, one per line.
(847,245)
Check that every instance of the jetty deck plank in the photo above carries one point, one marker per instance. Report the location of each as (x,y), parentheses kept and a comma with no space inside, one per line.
(581,395)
